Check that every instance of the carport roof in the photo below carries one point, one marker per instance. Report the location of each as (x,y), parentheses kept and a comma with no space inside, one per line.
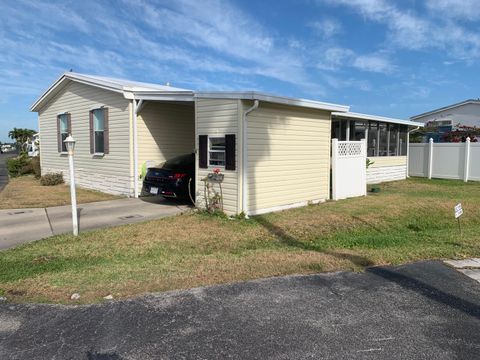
(358,116)
(254,95)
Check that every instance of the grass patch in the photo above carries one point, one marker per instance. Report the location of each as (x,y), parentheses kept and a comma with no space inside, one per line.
(26,192)
(407,221)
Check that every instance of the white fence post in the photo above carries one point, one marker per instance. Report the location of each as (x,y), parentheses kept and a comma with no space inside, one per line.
(430,158)
(364,173)
(334,168)
(467,160)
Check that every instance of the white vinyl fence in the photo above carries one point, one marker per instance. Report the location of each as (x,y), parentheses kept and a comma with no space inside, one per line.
(445,160)
(349,171)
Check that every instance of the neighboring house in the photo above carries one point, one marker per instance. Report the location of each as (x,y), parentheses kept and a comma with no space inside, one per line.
(32,145)
(448,118)
(273,151)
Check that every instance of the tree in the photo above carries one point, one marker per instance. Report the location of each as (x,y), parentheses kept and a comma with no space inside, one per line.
(21,136)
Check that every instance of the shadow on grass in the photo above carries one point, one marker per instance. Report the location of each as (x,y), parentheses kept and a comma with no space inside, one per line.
(290,241)
(407,282)
(427,291)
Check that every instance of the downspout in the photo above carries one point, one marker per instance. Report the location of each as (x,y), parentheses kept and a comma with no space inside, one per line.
(245,158)
(408,146)
(135,149)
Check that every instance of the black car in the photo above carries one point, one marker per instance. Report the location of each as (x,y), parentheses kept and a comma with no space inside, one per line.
(172,179)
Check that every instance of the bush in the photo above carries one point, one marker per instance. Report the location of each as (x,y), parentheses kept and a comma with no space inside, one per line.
(18,166)
(51,179)
(36,167)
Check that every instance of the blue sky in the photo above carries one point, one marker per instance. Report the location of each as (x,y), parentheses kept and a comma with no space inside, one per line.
(391,58)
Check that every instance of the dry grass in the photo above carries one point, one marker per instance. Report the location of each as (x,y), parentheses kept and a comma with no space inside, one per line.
(406,221)
(26,191)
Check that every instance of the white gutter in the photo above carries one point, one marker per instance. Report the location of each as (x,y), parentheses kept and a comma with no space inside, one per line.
(245,158)
(408,146)
(253,95)
(135,148)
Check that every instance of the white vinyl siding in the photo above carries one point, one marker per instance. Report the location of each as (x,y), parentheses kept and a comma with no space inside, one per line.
(165,130)
(109,173)
(288,156)
(216,118)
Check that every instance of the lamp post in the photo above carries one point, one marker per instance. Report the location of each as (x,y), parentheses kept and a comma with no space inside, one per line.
(70,145)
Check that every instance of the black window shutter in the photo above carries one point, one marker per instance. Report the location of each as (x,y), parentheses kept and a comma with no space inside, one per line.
(230,152)
(203,151)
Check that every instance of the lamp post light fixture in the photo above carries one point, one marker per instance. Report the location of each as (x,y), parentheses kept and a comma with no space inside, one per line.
(70,145)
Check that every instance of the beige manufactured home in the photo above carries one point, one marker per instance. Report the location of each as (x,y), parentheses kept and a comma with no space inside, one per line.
(274,151)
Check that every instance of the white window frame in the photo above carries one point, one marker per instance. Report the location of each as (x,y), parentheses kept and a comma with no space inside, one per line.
(61,116)
(209,150)
(95,152)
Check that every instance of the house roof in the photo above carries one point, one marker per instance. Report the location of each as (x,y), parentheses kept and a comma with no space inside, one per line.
(148,91)
(355,116)
(129,89)
(254,95)
(448,107)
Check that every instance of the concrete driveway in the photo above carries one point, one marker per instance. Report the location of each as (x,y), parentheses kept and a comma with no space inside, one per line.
(418,311)
(18,226)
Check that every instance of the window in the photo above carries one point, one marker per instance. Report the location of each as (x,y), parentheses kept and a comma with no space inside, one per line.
(99,138)
(393,140)
(357,130)
(63,125)
(403,140)
(216,151)
(339,130)
(98,131)
(372,139)
(382,139)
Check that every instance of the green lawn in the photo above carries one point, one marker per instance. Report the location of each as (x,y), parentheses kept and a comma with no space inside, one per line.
(407,221)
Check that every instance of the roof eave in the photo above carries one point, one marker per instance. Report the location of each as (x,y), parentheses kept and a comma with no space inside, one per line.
(253,95)
(358,116)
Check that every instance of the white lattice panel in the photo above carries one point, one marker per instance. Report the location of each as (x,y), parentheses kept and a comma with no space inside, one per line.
(350,148)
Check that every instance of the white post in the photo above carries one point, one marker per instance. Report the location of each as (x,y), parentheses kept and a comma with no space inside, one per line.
(334,168)
(364,173)
(347,131)
(73,195)
(430,158)
(135,148)
(467,160)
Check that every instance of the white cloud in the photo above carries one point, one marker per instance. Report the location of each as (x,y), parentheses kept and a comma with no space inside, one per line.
(327,27)
(373,63)
(463,10)
(408,30)
(335,58)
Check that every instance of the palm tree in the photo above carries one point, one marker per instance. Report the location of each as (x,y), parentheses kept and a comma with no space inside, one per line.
(21,136)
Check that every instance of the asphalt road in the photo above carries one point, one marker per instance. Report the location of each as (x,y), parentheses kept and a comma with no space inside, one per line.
(418,311)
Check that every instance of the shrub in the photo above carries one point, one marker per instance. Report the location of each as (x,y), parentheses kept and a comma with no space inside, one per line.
(51,179)
(36,167)
(20,165)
